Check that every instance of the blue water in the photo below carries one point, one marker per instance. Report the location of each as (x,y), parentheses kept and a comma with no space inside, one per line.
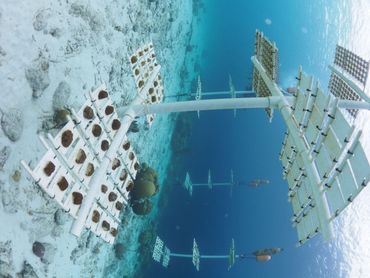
(306,33)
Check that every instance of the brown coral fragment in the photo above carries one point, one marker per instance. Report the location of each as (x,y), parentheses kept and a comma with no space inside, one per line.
(49,168)
(112,197)
(129,186)
(104,145)
(88,113)
(113,232)
(96,130)
(62,184)
(126,145)
(116,163)
(89,170)
(123,175)
(67,138)
(105,225)
(133,59)
(116,124)
(77,198)
(81,156)
(103,188)
(102,94)
(95,216)
(109,110)
(119,205)
(131,156)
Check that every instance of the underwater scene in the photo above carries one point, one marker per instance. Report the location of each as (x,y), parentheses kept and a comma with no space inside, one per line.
(184,138)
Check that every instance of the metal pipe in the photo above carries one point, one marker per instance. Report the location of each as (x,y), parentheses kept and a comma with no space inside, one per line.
(95,182)
(213,184)
(218,93)
(181,255)
(226,93)
(245,257)
(351,104)
(209,104)
(178,255)
(214,256)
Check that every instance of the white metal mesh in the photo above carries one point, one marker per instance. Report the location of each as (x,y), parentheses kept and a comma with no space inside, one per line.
(261,89)
(158,250)
(267,54)
(340,89)
(352,63)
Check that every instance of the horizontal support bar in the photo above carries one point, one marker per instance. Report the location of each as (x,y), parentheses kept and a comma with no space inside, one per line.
(226,93)
(351,104)
(217,93)
(209,104)
(178,255)
(213,184)
(214,257)
(181,255)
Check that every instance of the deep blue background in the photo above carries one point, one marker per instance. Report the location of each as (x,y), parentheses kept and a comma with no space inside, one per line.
(248,144)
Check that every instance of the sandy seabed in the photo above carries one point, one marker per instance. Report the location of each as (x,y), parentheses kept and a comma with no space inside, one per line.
(51,54)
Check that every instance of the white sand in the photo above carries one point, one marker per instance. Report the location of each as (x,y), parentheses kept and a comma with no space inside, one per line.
(83,43)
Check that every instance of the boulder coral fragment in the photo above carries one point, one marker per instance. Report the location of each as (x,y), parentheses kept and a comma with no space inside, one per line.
(146,183)
(142,208)
(145,186)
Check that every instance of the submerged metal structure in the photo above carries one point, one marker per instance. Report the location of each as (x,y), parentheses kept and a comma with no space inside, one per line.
(90,165)
(162,254)
(189,185)
(323,160)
